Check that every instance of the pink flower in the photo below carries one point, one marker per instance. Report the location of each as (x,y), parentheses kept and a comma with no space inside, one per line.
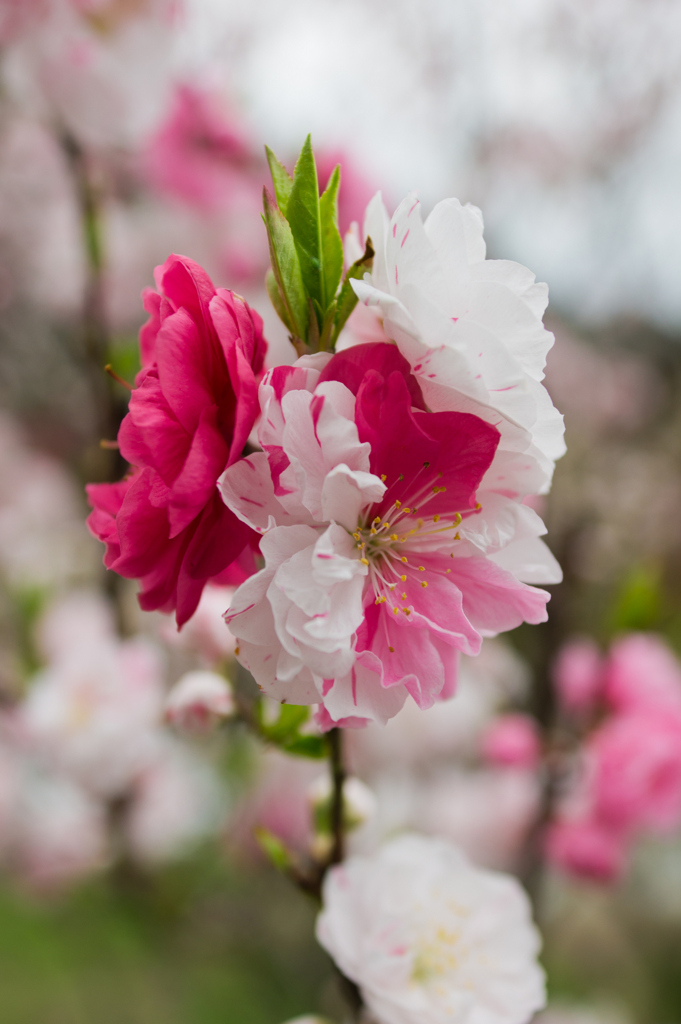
(190,416)
(578,675)
(513,741)
(19,16)
(631,780)
(380,566)
(637,771)
(643,674)
(586,848)
(201,156)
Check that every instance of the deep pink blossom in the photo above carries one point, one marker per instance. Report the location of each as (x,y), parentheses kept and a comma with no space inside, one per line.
(190,415)
(512,740)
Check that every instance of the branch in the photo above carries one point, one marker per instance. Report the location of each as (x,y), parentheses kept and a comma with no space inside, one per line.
(338,775)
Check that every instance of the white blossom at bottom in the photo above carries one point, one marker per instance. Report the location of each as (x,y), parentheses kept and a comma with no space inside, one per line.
(431,939)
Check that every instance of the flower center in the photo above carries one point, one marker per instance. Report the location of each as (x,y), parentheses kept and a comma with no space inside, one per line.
(389,544)
(437,954)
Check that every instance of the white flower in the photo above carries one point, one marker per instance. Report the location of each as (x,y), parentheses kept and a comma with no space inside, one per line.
(431,939)
(471,329)
(198,699)
(59,832)
(177,802)
(95,709)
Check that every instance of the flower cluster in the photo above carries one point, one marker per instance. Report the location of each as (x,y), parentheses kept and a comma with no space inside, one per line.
(386,499)
(630,778)
(371,504)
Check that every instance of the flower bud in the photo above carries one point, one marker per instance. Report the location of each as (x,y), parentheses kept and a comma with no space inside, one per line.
(359,803)
(198,700)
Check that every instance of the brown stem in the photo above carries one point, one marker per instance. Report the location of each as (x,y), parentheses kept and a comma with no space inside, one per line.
(338,775)
(110,405)
(548,640)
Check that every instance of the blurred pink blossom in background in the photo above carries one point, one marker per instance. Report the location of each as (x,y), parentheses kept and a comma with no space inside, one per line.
(513,741)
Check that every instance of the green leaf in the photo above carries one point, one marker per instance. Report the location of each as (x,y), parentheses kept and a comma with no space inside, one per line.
(281,179)
(347,300)
(302,214)
(332,243)
(273,848)
(327,327)
(285,266)
(313,322)
(277,301)
(638,605)
(307,746)
(291,717)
